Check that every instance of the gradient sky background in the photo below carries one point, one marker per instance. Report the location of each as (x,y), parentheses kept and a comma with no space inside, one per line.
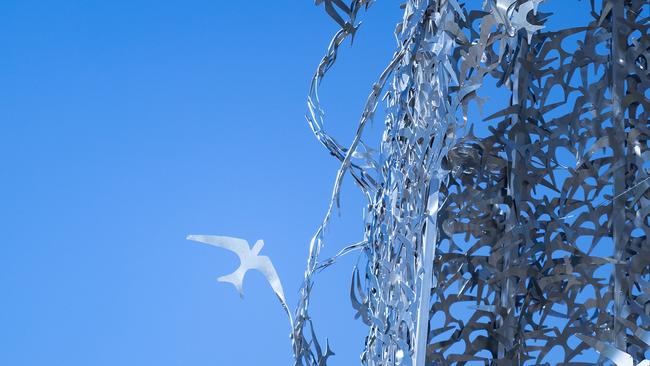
(127,125)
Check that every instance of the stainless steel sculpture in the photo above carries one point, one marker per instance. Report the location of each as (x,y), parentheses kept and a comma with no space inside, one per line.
(491,249)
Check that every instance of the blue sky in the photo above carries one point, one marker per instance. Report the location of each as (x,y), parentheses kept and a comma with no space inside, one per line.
(127,125)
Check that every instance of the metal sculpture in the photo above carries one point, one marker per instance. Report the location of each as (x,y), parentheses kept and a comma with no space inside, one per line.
(546,260)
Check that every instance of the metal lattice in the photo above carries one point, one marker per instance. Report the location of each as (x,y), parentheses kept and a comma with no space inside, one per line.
(490,248)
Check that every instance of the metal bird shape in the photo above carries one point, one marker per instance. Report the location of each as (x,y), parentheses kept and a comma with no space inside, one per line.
(249,259)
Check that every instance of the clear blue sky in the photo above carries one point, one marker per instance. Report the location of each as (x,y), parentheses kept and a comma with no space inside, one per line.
(127,125)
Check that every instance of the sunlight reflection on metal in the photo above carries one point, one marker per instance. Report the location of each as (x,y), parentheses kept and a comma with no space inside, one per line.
(547,260)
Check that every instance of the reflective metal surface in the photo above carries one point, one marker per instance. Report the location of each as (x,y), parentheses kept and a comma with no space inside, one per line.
(492,249)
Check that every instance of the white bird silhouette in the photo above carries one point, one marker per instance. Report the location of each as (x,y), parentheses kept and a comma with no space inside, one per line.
(249,259)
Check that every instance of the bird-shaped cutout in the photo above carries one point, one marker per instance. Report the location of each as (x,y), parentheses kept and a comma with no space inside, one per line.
(618,357)
(249,259)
